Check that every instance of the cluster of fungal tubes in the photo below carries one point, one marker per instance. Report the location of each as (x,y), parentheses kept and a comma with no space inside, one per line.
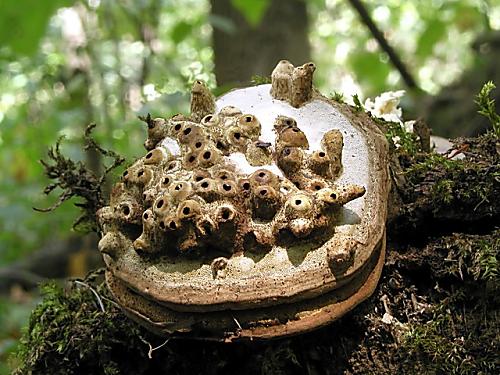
(186,195)
(293,84)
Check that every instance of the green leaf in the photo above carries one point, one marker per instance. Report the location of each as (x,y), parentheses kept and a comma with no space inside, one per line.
(180,31)
(252,10)
(370,69)
(433,33)
(23,23)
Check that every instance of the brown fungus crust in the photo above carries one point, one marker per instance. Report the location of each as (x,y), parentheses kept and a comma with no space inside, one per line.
(191,230)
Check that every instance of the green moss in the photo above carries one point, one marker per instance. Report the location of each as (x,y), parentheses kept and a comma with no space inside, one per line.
(476,260)
(338,97)
(357,103)
(487,106)
(436,347)
(401,140)
(460,337)
(69,333)
(260,80)
(469,186)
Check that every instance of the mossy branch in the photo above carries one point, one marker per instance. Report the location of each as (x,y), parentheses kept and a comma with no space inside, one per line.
(76,180)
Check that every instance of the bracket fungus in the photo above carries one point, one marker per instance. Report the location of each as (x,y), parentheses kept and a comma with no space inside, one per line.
(259,215)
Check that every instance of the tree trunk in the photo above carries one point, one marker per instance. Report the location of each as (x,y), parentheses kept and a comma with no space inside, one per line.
(249,51)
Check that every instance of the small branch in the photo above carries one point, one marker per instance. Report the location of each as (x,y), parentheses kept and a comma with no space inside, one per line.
(151,349)
(379,36)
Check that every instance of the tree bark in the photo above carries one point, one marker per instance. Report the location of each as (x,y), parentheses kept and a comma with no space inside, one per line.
(248,51)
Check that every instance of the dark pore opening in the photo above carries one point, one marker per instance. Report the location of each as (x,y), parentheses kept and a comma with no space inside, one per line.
(226,213)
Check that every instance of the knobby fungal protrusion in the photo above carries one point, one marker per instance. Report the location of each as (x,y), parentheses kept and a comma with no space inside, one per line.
(293,84)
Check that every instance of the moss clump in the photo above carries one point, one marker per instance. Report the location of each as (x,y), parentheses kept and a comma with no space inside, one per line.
(487,107)
(442,300)
(70,333)
(401,140)
(338,97)
(260,80)
(358,106)
(444,345)
(439,193)
(75,179)
(461,336)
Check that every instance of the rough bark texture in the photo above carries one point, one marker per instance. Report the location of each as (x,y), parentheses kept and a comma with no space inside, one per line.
(247,51)
(434,311)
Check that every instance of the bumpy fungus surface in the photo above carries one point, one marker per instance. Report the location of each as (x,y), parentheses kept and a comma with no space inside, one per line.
(238,221)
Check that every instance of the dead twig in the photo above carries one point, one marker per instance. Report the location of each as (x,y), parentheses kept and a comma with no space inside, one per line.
(76,180)
(382,41)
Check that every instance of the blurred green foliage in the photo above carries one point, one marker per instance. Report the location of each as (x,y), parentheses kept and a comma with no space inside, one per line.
(16,32)
(253,11)
(432,38)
